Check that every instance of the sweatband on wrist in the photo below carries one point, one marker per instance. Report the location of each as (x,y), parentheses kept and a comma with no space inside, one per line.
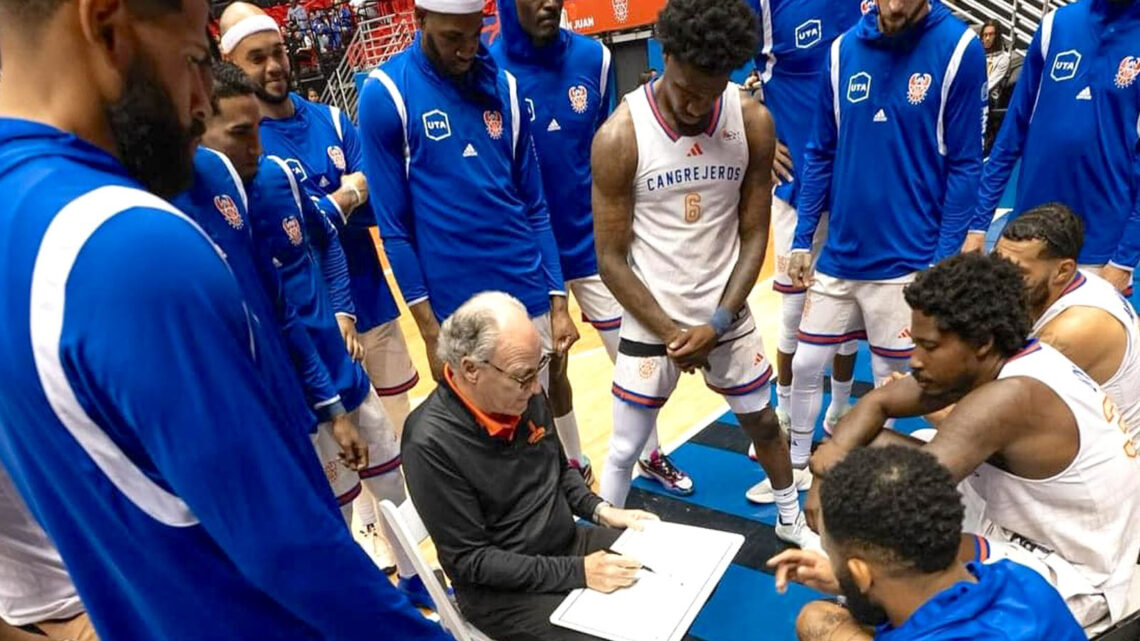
(721,320)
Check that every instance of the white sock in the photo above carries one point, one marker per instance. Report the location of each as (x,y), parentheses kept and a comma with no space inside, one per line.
(567,427)
(632,426)
(788,503)
(784,397)
(840,395)
(365,508)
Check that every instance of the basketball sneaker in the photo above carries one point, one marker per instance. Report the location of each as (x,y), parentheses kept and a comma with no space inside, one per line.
(660,468)
(376,545)
(798,533)
(762,492)
(785,427)
(584,468)
(831,419)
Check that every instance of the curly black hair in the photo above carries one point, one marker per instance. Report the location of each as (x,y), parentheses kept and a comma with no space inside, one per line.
(896,504)
(1055,225)
(977,296)
(231,81)
(715,36)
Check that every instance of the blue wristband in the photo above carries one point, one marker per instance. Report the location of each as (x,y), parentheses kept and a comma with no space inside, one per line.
(721,320)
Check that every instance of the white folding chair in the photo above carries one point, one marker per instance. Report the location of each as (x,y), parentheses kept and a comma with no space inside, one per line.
(410,533)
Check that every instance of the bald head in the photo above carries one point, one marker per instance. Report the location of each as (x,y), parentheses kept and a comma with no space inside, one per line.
(252,41)
(479,325)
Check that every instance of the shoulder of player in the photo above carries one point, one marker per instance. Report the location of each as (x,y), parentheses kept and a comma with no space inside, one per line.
(759,127)
(616,140)
(1081,330)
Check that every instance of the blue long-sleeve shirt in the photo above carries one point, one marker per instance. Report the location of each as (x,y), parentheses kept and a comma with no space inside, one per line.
(303,245)
(567,92)
(320,144)
(795,38)
(907,113)
(1074,122)
(218,203)
(462,209)
(126,342)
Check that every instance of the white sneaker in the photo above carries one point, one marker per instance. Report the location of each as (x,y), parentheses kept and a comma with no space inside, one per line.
(377,548)
(798,533)
(762,491)
(785,429)
(831,419)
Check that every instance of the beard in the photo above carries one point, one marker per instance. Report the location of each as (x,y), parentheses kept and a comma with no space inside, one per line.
(152,143)
(1037,295)
(265,96)
(865,611)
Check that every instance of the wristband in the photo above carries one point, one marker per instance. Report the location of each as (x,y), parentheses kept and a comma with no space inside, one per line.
(721,320)
(356,193)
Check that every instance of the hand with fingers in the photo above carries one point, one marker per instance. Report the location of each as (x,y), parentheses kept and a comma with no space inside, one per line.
(607,572)
(690,347)
(353,449)
(805,567)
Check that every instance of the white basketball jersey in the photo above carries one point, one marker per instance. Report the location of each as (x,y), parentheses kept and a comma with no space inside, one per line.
(1088,513)
(1089,290)
(686,212)
(34,584)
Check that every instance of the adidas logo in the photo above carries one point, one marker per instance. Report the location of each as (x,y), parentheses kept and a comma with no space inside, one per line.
(1085,94)
(324,182)
(695,150)
(470,152)
(905,333)
(553,126)
(881,116)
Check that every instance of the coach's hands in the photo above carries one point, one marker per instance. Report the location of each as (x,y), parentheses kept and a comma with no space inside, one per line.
(562,330)
(351,338)
(800,269)
(353,450)
(690,347)
(620,519)
(607,572)
(782,168)
(807,567)
(975,242)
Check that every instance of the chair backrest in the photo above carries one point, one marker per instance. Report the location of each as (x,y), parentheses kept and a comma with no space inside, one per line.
(410,532)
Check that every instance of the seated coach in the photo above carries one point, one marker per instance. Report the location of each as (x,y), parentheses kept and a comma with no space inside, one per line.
(494,488)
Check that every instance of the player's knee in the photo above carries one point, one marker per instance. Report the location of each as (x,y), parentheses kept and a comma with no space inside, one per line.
(792,308)
(763,427)
(818,620)
(809,363)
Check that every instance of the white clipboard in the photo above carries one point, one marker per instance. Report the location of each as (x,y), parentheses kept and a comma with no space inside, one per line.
(687,564)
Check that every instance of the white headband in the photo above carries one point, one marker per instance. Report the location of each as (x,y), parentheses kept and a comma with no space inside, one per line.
(451,6)
(245,28)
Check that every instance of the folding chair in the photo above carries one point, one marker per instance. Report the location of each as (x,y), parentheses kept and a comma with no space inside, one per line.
(410,533)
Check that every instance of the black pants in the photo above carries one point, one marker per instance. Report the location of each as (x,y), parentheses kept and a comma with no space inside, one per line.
(525,616)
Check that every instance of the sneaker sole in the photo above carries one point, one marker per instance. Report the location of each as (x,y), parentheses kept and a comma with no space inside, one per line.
(771,498)
(672,489)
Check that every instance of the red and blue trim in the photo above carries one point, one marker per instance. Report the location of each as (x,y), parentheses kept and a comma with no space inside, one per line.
(747,388)
(349,496)
(886,352)
(641,400)
(1030,347)
(380,470)
(830,339)
(606,325)
(399,389)
(714,120)
(981,549)
(1077,282)
(787,289)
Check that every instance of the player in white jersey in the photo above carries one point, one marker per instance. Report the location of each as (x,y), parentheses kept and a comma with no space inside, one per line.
(1074,310)
(35,589)
(1052,475)
(682,198)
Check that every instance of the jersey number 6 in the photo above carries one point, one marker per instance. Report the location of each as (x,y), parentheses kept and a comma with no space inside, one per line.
(692,207)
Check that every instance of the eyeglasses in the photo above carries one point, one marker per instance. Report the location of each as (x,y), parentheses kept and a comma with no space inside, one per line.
(524,382)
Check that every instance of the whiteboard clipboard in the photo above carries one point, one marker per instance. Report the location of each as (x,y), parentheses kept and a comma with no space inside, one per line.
(688,563)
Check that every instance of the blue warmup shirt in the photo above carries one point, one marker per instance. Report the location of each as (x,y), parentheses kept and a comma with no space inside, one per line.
(1009,602)
(217,202)
(320,144)
(896,150)
(567,92)
(303,245)
(795,36)
(1074,122)
(126,342)
(462,209)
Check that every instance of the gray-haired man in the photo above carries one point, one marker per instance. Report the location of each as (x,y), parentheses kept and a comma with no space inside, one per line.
(493,485)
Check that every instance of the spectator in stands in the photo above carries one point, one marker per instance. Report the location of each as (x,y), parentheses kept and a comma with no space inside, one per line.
(1077,99)
(299,14)
(997,58)
(493,486)
(312,95)
(891,518)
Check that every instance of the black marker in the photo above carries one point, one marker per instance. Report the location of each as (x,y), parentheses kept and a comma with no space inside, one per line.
(643,567)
